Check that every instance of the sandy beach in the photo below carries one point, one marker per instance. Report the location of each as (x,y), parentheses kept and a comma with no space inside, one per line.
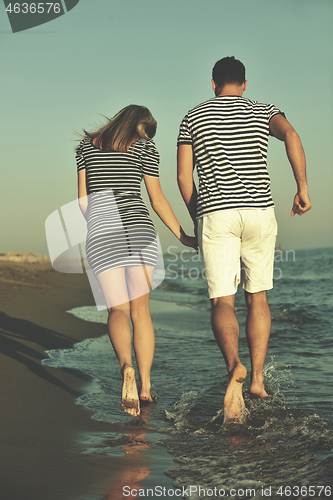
(41,426)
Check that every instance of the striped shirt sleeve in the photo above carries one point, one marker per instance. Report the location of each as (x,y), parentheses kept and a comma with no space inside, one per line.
(184,136)
(272,111)
(150,159)
(80,161)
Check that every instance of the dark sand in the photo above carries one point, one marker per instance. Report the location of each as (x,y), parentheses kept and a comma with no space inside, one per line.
(40,426)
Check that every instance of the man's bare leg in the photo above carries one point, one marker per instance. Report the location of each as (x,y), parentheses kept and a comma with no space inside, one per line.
(258,327)
(226,331)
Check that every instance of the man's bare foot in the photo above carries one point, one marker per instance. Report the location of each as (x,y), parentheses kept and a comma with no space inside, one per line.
(144,391)
(129,396)
(257,390)
(234,406)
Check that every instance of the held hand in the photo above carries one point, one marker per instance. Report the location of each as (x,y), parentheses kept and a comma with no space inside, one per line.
(196,228)
(301,204)
(189,241)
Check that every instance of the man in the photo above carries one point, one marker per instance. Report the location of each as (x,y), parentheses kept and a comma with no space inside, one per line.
(226,138)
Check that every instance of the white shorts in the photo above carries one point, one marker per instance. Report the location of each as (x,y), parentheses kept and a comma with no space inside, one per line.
(238,246)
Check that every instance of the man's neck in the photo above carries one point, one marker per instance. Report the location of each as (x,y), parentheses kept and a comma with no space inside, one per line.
(232,89)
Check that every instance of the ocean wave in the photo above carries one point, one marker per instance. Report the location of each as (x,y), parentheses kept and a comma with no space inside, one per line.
(277,446)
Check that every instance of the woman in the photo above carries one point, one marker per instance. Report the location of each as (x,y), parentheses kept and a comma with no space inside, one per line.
(121,242)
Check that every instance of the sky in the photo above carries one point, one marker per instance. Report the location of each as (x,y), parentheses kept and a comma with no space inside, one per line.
(102,55)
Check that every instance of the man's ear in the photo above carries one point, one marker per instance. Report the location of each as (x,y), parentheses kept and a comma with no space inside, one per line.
(244,85)
(213,85)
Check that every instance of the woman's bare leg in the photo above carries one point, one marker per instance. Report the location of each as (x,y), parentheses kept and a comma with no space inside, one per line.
(144,343)
(139,280)
(113,284)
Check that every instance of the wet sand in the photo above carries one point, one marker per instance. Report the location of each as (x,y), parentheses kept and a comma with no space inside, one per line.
(41,457)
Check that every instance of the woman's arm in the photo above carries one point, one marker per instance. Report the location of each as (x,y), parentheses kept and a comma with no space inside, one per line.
(161,206)
(83,194)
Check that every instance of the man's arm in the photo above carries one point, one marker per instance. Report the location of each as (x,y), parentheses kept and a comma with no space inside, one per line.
(280,128)
(185,179)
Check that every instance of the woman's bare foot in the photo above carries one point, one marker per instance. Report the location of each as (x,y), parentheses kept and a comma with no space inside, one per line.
(234,406)
(129,396)
(144,390)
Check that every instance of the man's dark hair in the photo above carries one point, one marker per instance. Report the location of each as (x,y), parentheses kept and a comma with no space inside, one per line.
(228,70)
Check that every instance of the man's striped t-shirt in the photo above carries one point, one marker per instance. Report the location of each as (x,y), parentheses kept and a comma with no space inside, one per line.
(229,137)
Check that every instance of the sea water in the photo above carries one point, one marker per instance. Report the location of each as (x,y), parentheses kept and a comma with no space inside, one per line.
(285,448)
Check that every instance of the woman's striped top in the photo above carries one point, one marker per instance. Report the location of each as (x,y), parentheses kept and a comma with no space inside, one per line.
(229,136)
(120,230)
(116,170)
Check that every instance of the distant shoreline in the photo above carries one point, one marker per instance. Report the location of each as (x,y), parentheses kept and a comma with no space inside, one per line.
(25,257)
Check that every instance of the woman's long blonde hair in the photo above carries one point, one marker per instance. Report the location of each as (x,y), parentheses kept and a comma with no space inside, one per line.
(131,123)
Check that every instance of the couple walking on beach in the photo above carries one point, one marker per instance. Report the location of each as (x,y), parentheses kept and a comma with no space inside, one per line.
(226,139)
